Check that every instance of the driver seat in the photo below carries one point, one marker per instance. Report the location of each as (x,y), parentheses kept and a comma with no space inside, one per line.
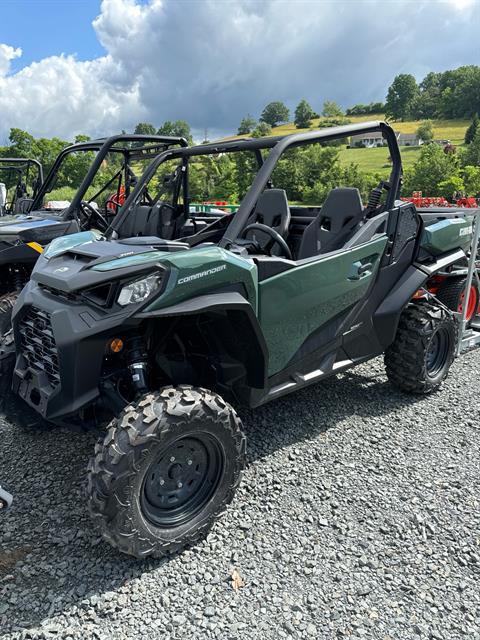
(273,211)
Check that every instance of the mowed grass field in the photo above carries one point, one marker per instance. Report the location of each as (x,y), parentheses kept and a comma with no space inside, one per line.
(375,160)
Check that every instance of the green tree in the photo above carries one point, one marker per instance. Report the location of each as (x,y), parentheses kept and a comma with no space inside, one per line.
(425,131)
(176,128)
(401,97)
(472,129)
(471,180)
(275,113)
(365,109)
(432,167)
(471,154)
(145,129)
(303,115)
(21,143)
(261,130)
(81,137)
(450,187)
(426,102)
(46,151)
(246,125)
(460,92)
(331,109)
(212,178)
(246,167)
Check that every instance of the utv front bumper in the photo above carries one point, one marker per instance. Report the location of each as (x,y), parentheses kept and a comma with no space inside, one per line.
(61,345)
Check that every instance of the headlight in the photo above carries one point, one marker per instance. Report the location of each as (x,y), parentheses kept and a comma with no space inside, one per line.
(139,290)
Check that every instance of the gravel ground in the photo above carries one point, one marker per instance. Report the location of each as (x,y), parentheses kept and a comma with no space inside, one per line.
(358,517)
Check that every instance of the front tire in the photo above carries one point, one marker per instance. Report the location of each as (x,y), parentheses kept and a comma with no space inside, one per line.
(165,471)
(7,302)
(423,350)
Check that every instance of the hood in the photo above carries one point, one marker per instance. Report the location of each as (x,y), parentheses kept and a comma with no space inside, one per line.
(34,228)
(13,225)
(86,259)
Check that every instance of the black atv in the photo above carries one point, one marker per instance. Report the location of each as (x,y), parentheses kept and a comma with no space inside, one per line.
(165,321)
(107,171)
(20,182)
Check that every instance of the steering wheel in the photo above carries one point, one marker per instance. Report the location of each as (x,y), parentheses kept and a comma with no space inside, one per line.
(275,238)
(90,214)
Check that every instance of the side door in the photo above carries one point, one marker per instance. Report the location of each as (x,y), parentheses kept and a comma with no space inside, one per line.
(302,309)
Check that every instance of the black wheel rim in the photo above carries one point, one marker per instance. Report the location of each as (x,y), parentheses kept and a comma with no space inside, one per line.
(182,480)
(437,353)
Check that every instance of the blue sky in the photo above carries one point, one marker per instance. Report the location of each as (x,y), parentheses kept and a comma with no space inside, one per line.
(97,67)
(45,28)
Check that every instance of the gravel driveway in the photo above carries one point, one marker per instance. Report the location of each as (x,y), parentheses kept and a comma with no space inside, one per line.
(358,517)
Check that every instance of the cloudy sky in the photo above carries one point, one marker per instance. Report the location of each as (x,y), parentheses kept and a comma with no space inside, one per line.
(96,67)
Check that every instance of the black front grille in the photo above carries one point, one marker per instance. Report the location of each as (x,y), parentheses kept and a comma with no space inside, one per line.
(59,294)
(38,344)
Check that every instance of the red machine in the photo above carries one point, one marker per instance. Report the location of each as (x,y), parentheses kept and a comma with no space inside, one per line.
(425,202)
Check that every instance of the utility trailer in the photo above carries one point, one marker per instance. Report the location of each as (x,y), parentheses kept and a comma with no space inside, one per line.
(457,286)
(469,332)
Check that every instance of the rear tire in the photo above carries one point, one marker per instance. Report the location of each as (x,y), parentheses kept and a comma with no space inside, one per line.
(165,471)
(423,350)
(452,292)
(6,305)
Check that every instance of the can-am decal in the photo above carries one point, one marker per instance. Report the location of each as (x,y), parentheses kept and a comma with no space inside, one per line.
(202,274)
(466,231)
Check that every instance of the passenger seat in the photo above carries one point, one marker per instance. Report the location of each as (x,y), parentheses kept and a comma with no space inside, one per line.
(340,214)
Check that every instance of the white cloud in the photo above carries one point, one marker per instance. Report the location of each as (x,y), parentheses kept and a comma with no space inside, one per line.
(7,54)
(211,62)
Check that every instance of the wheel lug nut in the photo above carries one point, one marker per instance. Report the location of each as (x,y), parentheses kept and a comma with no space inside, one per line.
(189,462)
(179,485)
(172,459)
(161,481)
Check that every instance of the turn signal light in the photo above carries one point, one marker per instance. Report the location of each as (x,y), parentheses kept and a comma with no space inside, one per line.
(116,345)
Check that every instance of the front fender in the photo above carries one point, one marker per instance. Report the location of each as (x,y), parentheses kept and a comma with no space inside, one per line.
(242,320)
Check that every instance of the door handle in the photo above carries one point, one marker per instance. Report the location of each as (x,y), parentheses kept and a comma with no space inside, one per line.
(360,270)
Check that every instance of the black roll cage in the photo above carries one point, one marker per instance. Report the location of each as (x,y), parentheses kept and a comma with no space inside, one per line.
(278,146)
(149,148)
(24,164)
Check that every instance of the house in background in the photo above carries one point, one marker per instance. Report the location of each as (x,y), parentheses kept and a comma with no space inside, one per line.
(409,140)
(368,140)
(371,140)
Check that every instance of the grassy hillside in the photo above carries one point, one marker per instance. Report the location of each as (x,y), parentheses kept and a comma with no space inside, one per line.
(453,130)
(375,160)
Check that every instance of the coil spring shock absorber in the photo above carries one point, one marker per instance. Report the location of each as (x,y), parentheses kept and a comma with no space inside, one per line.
(18,278)
(375,197)
(136,355)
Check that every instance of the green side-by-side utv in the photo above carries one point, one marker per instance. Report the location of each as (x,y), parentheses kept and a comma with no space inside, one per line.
(102,172)
(164,323)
